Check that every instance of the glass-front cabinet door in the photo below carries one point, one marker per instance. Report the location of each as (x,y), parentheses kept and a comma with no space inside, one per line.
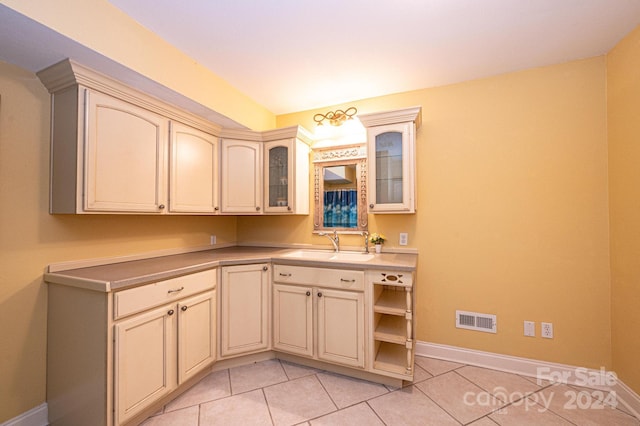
(391,169)
(277,161)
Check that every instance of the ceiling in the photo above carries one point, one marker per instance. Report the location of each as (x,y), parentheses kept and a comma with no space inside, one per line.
(294,55)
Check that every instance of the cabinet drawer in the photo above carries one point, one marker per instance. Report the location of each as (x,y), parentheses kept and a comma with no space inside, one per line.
(321,277)
(138,299)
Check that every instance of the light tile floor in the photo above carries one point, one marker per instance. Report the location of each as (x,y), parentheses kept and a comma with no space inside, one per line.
(444,393)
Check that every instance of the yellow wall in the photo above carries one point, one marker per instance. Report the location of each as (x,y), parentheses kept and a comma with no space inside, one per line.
(102,27)
(512,210)
(623,96)
(30,238)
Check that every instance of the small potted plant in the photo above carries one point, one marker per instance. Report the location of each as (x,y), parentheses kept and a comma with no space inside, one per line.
(378,240)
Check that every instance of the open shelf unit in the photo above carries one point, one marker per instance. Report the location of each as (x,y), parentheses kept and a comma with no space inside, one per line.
(393,323)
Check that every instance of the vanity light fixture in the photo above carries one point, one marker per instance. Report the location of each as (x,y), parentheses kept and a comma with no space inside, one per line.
(337,117)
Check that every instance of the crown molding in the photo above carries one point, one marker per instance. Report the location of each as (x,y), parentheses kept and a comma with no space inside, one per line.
(392,117)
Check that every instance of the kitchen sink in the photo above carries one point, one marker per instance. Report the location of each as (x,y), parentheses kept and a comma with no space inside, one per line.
(345,256)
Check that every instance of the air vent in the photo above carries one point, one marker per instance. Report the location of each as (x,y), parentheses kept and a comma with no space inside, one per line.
(476,321)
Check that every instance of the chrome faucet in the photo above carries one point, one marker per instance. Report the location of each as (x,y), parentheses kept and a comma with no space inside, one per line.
(335,239)
(365,234)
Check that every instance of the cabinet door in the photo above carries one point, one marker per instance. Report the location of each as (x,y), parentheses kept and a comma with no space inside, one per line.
(391,168)
(293,319)
(341,327)
(196,334)
(125,159)
(241,178)
(194,170)
(244,316)
(279,179)
(144,360)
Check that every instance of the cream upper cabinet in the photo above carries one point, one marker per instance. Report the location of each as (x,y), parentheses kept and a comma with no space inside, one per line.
(392,160)
(110,149)
(194,171)
(241,179)
(286,177)
(125,163)
(244,309)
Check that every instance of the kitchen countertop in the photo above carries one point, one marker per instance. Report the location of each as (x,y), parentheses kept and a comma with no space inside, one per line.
(122,275)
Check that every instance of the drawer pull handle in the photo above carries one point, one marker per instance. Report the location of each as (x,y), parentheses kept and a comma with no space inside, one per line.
(347,281)
(184,308)
(176,290)
(284,275)
(170,312)
(308,293)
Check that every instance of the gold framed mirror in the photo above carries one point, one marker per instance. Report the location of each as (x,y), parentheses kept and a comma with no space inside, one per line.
(340,189)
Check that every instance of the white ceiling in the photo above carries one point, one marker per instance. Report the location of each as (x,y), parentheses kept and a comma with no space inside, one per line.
(293,55)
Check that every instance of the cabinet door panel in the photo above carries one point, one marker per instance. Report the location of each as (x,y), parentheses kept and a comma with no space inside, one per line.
(293,319)
(125,157)
(341,327)
(244,309)
(194,170)
(196,334)
(144,360)
(241,176)
(391,168)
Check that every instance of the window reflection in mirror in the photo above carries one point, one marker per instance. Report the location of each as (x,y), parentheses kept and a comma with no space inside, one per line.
(340,189)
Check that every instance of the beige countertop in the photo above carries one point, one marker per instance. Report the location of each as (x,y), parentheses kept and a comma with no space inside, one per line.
(121,275)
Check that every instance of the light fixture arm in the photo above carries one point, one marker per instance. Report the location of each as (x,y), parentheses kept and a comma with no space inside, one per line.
(337,117)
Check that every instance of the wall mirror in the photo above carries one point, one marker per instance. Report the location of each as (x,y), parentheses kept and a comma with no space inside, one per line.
(340,189)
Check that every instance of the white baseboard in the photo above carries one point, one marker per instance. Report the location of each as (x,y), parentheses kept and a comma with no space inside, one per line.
(538,369)
(37,416)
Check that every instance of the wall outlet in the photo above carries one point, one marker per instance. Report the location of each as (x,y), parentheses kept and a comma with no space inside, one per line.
(212,240)
(546,330)
(530,328)
(404,238)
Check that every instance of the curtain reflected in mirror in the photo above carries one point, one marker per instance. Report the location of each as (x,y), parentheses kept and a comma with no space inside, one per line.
(340,197)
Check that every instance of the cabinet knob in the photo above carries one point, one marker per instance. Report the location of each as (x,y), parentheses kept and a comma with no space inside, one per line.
(308,293)
(216,208)
(265,268)
(319,294)
(184,308)
(258,208)
(289,208)
(370,206)
(170,312)
(161,207)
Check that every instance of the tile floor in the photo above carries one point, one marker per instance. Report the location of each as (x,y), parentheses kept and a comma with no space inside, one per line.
(444,393)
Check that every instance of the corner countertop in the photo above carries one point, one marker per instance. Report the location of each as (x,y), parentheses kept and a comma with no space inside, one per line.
(122,275)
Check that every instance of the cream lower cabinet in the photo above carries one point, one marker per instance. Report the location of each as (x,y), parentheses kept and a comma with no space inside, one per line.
(325,321)
(112,356)
(392,323)
(244,309)
(158,350)
(145,358)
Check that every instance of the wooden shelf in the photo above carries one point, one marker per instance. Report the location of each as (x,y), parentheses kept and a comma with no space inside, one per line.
(392,358)
(391,329)
(391,302)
